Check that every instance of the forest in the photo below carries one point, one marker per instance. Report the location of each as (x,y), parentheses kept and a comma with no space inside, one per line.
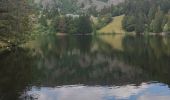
(24,19)
(141,15)
(147,15)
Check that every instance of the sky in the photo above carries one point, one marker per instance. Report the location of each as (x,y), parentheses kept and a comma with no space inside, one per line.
(154,91)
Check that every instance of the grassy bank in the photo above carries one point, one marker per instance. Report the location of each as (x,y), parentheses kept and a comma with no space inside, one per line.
(114,27)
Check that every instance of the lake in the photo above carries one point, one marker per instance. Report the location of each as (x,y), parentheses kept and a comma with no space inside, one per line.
(104,67)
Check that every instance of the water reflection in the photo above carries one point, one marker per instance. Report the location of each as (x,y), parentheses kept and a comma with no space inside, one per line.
(145,91)
(15,73)
(106,69)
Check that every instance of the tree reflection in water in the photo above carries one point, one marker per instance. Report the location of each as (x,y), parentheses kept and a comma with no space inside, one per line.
(88,60)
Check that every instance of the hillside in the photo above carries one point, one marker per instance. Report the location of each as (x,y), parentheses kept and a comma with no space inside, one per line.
(143,16)
(83,4)
(99,4)
(114,26)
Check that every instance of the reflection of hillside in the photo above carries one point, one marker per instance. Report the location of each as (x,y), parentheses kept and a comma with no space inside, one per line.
(150,54)
(94,60)
(115,41)
(83,60)
(87,69)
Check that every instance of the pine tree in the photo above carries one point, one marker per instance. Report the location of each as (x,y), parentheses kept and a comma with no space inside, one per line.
(84,25)
(62,25)
(128,23)
(157,22)
(14,15)
(166,28)
(140,24)
(151,13)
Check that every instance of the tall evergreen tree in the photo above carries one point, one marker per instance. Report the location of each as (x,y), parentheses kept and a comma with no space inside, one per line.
(166,27)
(84,25)
(156,24)
(14,18)
(140,24)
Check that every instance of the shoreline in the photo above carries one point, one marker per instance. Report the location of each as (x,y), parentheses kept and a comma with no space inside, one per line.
(8,46)
(126,33)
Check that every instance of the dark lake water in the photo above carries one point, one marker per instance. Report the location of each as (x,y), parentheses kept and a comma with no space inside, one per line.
(106,67)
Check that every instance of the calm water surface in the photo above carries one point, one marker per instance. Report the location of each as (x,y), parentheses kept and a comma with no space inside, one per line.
(106,67)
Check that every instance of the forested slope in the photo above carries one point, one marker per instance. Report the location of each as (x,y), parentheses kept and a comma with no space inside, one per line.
(14,19)
(147,15)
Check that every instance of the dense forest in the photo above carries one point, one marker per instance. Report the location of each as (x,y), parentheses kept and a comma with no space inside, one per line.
(15,19)
(20,19)
(62,16)
(71,24)
(142,15)
(147,15)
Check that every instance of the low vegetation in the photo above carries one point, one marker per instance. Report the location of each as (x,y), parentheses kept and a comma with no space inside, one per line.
(114,27)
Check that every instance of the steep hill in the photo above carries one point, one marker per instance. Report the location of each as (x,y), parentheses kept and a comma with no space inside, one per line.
(84,4)
(114,26)
(99,4)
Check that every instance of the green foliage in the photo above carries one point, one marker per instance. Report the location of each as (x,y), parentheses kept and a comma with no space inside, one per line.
(104,20)
(93,11)
(43,21)
(68,6)
(128,23)
(72,25)
(166,27)
(15,21)
(145,15)
(151,14)
(139,25)
(156,24)
(114,10)
(84,25)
